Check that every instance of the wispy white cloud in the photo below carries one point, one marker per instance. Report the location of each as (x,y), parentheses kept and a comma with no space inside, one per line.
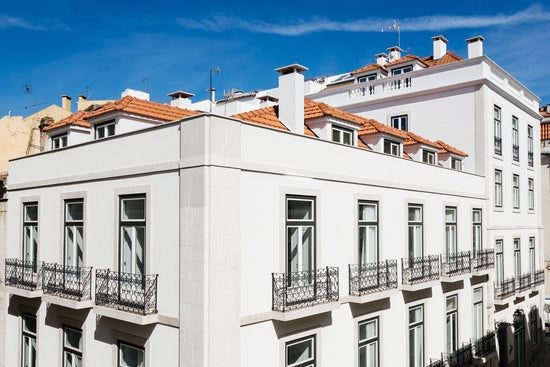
(8,21)
(220,23)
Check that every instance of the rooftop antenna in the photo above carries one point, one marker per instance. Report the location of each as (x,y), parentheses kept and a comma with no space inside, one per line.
(146,81)
(395,26)
(212,90)
(27,89)
(87,91)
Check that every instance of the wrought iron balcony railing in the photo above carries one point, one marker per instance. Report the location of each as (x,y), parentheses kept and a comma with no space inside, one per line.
(304,288)
(436,362)
(505,289)
(126,292)
(372,277)
(485,345)
(515,153)
(484,259)
(417,270)
(462,357)
(67,281)
(498,145)
(455,264)
(537,278)
(23,274)
(523,282)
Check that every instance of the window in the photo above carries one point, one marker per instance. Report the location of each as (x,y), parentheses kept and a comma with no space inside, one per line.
(478,313)
(402,70)
(366,78)
(368,232)
(515,191)
(368,343)
(300,232)
(105,129)
(530,145)
(132,234)
(342,136)
(74,232)
(451,317)
(515,139)
(428,156)
(499,262)
(450,230)
(392,147)
(517,258)
(416,336)
(301,352)
(477,233)
(130,355)
(531,193)
(72,347)
(456,164)
(415,224)
(59,141)
(28,340)
(30,233)
(497,130)
(400,122)
(532,258)
(498,188)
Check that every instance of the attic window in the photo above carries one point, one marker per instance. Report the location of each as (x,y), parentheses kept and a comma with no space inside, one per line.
(428,156)
(392,147)
(105,129)
(456,164)
(402,70)
(366,78)
(400,122)
(342,136)
(59,141)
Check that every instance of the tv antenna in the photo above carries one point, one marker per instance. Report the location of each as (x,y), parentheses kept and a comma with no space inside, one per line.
(395,26)
(212,90)
(27,89)
(146,82)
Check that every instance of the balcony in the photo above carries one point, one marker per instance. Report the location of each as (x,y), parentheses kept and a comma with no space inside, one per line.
(483,262)
(380,87)
(523,284)
(453,266)
(67,286)
(368,282)
(310,292)
(131,293)
(504,290)
(485,346)
(462,357)
(537,278)
(24,277)
(417,272)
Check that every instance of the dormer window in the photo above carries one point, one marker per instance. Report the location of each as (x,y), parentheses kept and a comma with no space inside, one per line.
(342,136)
(456,164)
(428,156)
(366,78)
(105,129)
(400,122)
(59,141)
(402,70)
(392,147)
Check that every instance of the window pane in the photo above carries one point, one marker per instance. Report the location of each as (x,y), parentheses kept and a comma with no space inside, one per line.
(347,138)
(336,135)
(31,213)
(368,330)
(73,339)
(450,215)
(299,352)
(29,324)
(133,209)
(367,212)
(307,249)
(451,303)
(415,214)
(110,129)
(300,209)
(74,211)
(131,357)
(415,315)
(478,295)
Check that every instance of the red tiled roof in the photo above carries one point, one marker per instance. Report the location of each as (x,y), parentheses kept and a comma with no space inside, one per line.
(412,139)
(446,59)
(404,59)
(446,148)
(370,67)
(77,119)
(545,131)
(268,116)
(371,127)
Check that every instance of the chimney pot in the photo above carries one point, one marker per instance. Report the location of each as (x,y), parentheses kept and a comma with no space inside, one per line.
(381,59)
(475,46)
(180,99)
(66,103)
(395,53)
(291,97)
(439,46)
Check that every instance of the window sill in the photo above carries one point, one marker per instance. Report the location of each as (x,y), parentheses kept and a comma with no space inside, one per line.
(531,168)
(531,211)
(516,210)
(499,157)
(498,209)
(516,163)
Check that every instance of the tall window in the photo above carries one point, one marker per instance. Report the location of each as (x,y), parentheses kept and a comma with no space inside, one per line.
(530,145)
(74,232)
(368,232)
(477,233)
(515,191)
(130,355)
(499,261)
(300,232)
(400,122)
(515,139)
(478,313)
(59,141)
(369,343)
(532,258)
(497,130)
(498,188)
(531,193)
(301,352)
(416,336)
(104,130)
(428,156)
(450,230)
(452,323)
(28,339)
(132,234)
(392,147)
(72,347)
(30,233)
(517,258)
(342,136)
(416,248)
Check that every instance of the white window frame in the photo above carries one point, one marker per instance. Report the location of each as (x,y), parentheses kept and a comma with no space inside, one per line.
(497,129)
(456,164)
(515,191)
(517,257)
(451,320)
(28,336)
(73,226)
(133,225)
(60,141)
(515,138)
(104,127)
(531,193)
(32,227)
(477,231)
(498,188)
(451,228)
(530,156)
(532,256)
(130,346)
(394,147)
(302,225)
(366,342)
(67,349)
(364,225)
(428,156)
(311,362)
(418,324)
(342,133)
(367,78)
(400,122)
(478,326)
(499,261)
(413,227)
(402,70)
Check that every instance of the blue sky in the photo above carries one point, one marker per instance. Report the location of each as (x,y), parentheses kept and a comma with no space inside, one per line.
(67,47)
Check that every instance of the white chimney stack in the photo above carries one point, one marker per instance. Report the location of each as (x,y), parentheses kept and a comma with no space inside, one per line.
(439,46)
(291,97)
(381,59)
(135,93)
(66,103)
(180,99)
(475,46)
(395,53)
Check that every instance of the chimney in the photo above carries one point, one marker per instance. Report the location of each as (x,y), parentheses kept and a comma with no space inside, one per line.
(135,93)
(475,46)
(180,99)
(291,97)
(381,59)
(66,103)
(439,46)
(395,53)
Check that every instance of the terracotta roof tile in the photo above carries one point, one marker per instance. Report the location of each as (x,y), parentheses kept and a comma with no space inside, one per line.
(404,59)
(446,148)
(76,119)
(545,131)
(268,116)
(371,127)
(370,67)
(412,139)
(446,59)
